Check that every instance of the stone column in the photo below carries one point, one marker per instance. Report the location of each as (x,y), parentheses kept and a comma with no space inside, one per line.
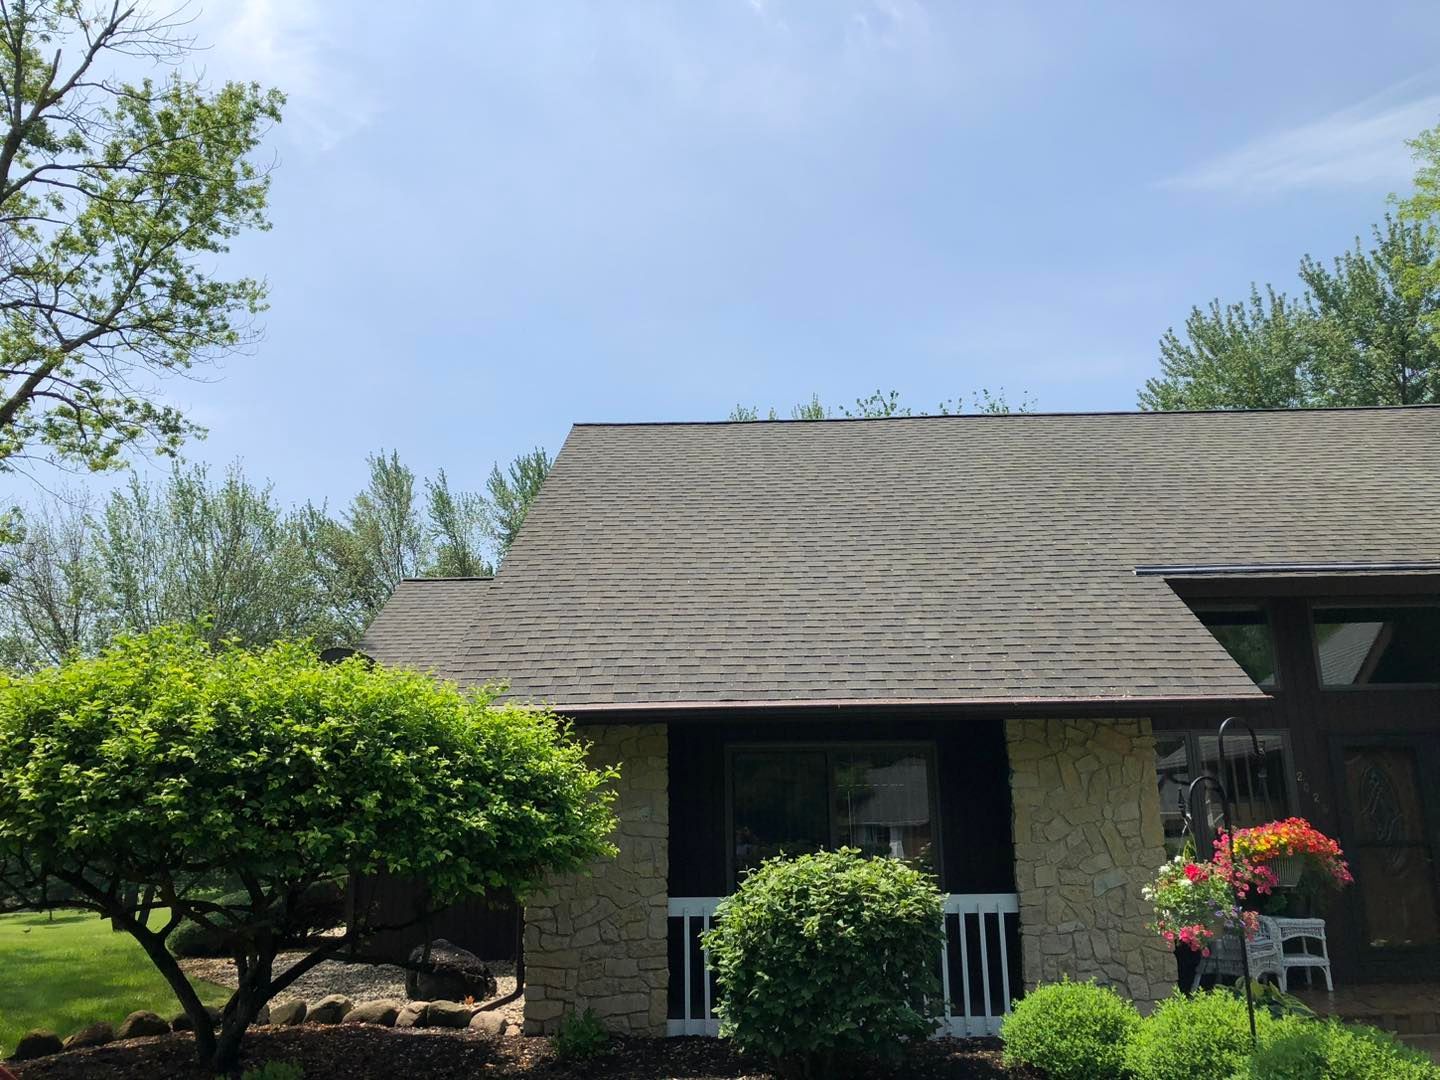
(598,940)
(1087,837)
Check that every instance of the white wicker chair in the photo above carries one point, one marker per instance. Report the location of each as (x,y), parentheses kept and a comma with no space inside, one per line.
(1310,933)
(1264,951)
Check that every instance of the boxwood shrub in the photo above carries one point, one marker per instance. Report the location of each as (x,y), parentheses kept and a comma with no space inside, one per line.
(828,960)
(1329,1050)
(1070,1030)
(1185,1038)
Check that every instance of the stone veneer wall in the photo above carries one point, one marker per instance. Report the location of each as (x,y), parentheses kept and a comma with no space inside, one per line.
(1087,836)
(598,940)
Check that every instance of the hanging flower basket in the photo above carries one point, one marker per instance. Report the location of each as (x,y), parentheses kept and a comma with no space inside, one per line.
(1194,905)
(1285,850)
(1287,870)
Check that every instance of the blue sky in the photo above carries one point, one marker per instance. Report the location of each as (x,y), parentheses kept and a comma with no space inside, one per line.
(492,220)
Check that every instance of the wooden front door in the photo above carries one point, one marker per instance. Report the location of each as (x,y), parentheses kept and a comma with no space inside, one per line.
(1390,806)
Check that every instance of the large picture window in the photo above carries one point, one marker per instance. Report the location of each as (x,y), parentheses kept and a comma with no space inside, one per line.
(797,799)
(1378,644)
(1260,789)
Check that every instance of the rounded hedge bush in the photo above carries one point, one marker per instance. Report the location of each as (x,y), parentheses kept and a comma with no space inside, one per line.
(1071,1030)
(190,940)
(828,959)
(1314,1050)
(1186,1038)
(321,907)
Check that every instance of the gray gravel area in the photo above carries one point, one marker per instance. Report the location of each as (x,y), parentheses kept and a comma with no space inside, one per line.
(358,982)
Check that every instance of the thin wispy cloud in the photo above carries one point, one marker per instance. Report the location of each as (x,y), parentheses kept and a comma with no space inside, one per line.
(1360,146)
(298,46)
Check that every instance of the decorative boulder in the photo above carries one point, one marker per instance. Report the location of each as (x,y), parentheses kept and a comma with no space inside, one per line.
(289,1014)
(330,1009)
(36,1044)
(94,1035)
(142,1023)
(448,1014)
(413,1015)
(490,1024)
(451,973)
(182,1022)
(381,1012)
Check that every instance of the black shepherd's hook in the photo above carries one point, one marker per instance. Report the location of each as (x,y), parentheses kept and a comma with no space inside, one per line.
(1226,818)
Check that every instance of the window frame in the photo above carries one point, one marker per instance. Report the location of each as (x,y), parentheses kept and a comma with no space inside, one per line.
(1425,601)
(1192,737)
(1199,607)
(927,747)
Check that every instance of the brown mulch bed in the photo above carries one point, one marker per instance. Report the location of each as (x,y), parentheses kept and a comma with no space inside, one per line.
(353,1052)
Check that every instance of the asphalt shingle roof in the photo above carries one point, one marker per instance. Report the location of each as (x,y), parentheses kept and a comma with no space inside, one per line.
(940,559)
(426,624)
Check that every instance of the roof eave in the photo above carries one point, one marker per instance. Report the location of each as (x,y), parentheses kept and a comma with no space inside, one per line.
(1128,705)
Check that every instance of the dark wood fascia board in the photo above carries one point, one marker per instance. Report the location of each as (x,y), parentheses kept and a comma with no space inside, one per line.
(822,711)
(1367,585)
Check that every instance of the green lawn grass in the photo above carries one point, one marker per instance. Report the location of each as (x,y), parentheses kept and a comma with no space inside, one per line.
(64,974)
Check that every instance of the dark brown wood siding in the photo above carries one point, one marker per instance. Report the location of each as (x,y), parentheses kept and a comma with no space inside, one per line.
(1318,720)
(486,928)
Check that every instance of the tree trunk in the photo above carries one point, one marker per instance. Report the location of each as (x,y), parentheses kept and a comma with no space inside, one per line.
(241,1010)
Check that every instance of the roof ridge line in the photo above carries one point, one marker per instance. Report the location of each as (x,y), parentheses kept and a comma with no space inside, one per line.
(1419,406)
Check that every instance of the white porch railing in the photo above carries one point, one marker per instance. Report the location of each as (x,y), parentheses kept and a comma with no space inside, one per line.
(697,981)
(980,931)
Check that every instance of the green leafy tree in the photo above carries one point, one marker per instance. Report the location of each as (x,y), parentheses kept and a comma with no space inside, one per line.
(116,198)
(1245,355)
(1421,208)
(1359,335)
(377,543)
(459,523)
(164,763)
(53,596)
(223,556)
(511,494)
(879,405)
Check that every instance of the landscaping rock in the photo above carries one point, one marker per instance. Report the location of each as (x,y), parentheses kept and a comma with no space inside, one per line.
(448,1014)
(142,1023)
(289,1014)
(491,1024)
(182,1022)
(413,1015)
(94,1035)
(381,1012)
(36,1044)
(451,973)
(330,1010)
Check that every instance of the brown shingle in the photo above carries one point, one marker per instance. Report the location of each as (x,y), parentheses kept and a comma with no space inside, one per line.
(967,558)
(426,624)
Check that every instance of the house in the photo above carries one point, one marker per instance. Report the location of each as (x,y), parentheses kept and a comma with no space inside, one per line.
(997,645)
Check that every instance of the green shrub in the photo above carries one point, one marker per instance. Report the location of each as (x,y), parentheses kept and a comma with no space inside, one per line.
(581,1036)
(1312,1050)
(190,939)
(275,1070)
(1187,1038)
(828,959)
(321,907)
(1071,1030)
